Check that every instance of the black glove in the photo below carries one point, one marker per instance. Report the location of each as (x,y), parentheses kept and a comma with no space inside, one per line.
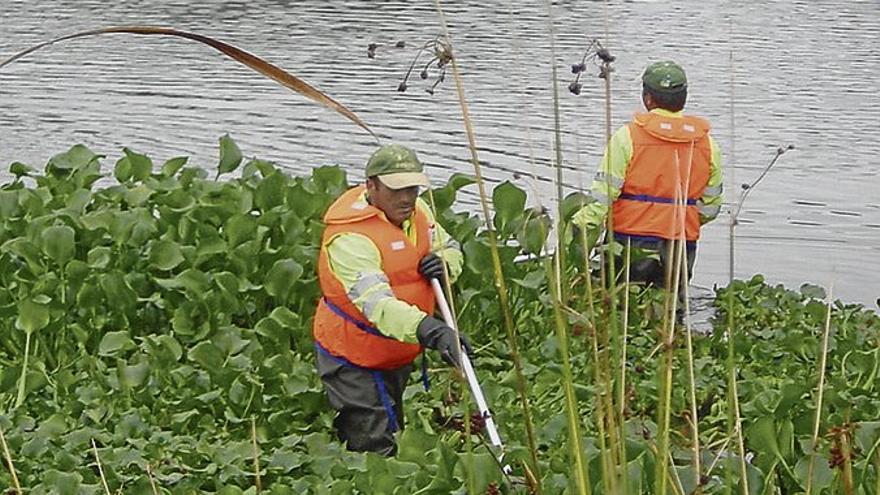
(431,266)
(433,333)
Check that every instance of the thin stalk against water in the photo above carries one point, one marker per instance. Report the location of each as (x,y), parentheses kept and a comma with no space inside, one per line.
(617,435)
(731,381)
(823,359)
(258,482)
(100,468)
(500,284)
(9,463)
(557,127)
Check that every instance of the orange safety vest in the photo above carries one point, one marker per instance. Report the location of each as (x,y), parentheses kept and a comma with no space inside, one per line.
(671,158)
(352,337)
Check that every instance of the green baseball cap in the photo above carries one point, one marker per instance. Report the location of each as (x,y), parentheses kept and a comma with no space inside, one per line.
(665,76)
(397,166)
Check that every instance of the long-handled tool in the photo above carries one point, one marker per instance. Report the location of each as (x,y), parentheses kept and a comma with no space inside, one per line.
(468,370)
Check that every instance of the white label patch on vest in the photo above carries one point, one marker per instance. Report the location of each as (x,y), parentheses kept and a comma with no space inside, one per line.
(397,245)
(666,125)
(358,206)
(688,127)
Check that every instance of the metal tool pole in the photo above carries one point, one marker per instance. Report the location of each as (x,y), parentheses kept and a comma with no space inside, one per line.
(468,370)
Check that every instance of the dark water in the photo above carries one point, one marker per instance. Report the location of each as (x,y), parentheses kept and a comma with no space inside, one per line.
(801,73)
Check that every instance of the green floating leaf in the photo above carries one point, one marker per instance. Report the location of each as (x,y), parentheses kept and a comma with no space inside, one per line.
(31,316)
(510,203)
(572,203)
(270,191)
(240,228)
(76,158)
(141,165)
(533,235)
(19,169)
(230,155)
(9,206)
(207,355)
(282,276)
(165,255)
(330,179)
(133,375)
(58,242)
(173,165)
(813,291)
(113,343)
(100,257)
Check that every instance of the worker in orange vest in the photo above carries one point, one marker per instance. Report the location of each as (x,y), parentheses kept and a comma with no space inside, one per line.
(380,248)
(661,176)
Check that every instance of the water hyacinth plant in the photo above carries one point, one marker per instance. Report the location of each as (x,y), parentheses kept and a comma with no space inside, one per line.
(172,329)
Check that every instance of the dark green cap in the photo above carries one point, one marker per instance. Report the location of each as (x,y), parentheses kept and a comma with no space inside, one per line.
(397,167)
(666,76)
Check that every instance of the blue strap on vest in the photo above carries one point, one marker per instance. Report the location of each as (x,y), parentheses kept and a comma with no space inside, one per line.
(622,237)
(380,386)
(345,316)
(426,382)
(377,375)
(653,199)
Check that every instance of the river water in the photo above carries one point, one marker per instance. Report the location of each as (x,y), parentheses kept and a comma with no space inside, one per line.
(766,74)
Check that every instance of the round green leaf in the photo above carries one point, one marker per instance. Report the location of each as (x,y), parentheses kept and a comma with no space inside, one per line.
(100,257)
(19,169)
(31,316)
(165,255)
(58,243)
(230,155)
(115,342)
(170,167)
(281,277)
(240,228)
(141,165)
(509,202)
(270,191)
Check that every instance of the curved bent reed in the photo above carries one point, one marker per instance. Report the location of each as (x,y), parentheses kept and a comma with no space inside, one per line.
(500,284)
(256,63)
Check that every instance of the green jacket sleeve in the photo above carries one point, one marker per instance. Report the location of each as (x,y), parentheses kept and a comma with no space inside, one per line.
(608,181)
(357,264)
(710,203)
(443,244)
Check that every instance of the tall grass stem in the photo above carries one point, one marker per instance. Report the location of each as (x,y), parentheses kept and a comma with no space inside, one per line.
(500,283)
(9,464)
(100,468)
(823,359)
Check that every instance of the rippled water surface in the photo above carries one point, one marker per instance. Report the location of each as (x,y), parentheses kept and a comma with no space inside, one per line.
(800,73)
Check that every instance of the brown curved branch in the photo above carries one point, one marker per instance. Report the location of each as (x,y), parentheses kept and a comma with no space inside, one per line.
(256,63)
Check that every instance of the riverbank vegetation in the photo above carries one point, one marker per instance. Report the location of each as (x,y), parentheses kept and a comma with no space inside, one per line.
(156,339)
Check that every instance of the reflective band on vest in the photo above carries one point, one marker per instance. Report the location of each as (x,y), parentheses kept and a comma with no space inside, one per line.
(346,337)
(671,158)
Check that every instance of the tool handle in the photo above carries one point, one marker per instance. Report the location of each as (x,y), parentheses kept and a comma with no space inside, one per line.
(468,369)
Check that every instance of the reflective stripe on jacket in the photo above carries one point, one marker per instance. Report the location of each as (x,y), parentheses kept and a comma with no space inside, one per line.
(400,259)
(671,163)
